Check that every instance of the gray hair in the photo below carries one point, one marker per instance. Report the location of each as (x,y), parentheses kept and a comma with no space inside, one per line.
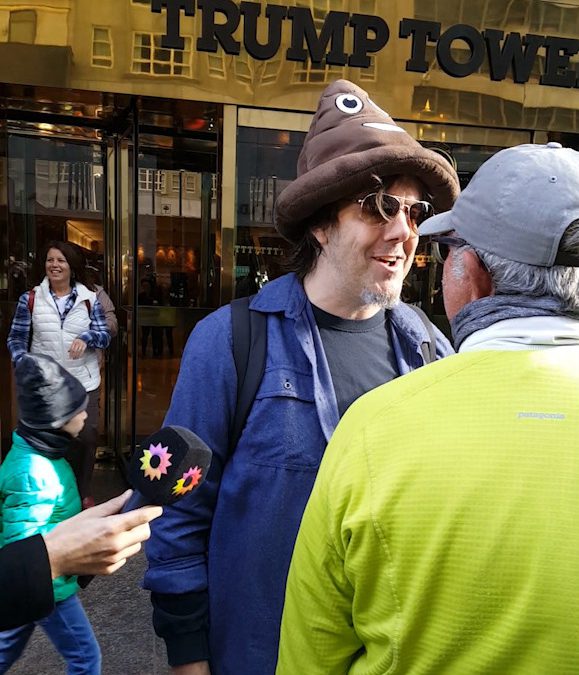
(514,278)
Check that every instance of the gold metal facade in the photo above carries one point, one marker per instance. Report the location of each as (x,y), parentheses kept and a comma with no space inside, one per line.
(115,46)
(163,164)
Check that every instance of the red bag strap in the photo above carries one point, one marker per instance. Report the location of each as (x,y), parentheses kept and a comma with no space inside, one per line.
(31,294)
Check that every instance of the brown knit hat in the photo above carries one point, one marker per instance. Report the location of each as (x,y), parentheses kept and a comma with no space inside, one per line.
(351,140)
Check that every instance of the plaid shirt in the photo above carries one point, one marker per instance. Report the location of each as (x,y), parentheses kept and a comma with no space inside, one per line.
(97,336)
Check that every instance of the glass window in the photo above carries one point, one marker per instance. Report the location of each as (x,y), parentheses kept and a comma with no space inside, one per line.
(310,73)
(178,270)
(102,47)
(243,66)
(216,63)
(184,180)
(51,188)
(266,163)
(151,58)
(270,71)
(148,176)
(22,27)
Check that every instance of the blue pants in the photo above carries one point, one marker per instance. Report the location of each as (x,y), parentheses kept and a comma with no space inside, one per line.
(69,631)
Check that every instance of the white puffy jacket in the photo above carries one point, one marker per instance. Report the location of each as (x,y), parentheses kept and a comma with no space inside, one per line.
(52,338)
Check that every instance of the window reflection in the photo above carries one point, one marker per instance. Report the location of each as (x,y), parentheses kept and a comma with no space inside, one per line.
(267,161)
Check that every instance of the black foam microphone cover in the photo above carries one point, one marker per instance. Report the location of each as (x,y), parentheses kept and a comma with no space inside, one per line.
(170,464)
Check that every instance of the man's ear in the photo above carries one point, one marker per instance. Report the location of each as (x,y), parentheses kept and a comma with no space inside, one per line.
(481,283)
(321,234)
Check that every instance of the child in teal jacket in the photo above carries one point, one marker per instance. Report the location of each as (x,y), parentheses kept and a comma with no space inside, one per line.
(37,491)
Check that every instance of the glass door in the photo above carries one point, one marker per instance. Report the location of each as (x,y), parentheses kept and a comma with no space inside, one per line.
(178,261)
(53,188)
(121,274)
(163,261)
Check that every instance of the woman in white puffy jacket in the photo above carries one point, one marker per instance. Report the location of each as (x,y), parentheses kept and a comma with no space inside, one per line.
(63,318)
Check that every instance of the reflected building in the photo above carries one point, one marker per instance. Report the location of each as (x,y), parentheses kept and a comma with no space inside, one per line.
(156,135)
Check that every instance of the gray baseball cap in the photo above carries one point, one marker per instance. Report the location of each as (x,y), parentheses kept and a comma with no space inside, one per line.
(518,205)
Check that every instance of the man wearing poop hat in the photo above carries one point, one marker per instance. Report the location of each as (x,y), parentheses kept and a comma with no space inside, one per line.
(38,491)
(335,329)
(452,546)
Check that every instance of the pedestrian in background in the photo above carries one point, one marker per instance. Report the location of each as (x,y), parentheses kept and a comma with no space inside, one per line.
(63,318)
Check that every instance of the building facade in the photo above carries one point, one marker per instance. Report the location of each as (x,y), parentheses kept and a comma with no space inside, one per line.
(156,134)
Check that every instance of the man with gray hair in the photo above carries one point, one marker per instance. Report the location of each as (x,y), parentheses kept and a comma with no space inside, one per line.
(455,548)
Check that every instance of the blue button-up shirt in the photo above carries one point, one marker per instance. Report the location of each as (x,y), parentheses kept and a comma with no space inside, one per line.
(235,534)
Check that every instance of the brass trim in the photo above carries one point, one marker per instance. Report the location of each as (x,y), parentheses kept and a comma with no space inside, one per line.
(228,201)
(273,119)
(465,135)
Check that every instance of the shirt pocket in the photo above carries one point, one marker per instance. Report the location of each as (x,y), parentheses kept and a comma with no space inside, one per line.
(286,383)
(283,428)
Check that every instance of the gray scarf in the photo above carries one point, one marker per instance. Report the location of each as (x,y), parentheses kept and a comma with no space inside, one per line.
(51,443)
(485,312)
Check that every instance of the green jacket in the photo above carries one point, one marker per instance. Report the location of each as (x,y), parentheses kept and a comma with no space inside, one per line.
(36,493)
(442,533)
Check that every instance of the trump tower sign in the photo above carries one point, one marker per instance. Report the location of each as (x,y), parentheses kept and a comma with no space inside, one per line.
(508,54)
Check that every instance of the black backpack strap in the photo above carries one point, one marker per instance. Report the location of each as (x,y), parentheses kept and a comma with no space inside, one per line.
(249,330)
(428,348)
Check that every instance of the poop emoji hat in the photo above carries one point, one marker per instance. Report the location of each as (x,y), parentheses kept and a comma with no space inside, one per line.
(351,140)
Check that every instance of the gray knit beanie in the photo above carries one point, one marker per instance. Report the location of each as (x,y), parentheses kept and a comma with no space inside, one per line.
(48,395)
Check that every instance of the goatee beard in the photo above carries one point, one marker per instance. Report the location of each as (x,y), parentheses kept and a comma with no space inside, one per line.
(382,299)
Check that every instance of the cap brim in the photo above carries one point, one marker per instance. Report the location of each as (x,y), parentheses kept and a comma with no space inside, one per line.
(438,224)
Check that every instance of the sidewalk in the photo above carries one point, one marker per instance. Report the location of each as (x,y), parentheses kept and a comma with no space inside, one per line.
(119,610)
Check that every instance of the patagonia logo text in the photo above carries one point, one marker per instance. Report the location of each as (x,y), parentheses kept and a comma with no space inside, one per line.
(541,416)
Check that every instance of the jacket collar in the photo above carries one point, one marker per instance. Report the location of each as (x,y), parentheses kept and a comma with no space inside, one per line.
(82,292)
(535,332)
(406,321)
(286,294)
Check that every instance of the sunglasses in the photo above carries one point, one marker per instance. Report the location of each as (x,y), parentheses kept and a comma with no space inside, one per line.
(377,208)
(441,246)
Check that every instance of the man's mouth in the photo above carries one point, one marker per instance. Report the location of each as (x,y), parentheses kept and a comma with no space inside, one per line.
(388,260)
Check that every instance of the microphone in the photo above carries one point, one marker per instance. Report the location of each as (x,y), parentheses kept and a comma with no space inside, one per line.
(171,463)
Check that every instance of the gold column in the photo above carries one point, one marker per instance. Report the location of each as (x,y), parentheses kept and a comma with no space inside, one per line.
(228,195)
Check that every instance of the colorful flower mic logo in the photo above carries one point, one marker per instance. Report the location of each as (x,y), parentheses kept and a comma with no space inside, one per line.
(155,461)
(190,479)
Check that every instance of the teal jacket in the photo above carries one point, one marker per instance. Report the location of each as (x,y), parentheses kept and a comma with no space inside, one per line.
(36,493)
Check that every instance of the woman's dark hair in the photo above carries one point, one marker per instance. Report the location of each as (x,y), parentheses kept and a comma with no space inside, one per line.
(75,259)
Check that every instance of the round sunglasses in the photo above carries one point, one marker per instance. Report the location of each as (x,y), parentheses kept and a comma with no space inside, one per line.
(378,208)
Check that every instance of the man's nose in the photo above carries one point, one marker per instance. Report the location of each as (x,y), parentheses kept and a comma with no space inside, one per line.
(399,227)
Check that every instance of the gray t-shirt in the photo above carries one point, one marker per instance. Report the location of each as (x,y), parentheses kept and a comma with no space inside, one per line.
(360,354)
